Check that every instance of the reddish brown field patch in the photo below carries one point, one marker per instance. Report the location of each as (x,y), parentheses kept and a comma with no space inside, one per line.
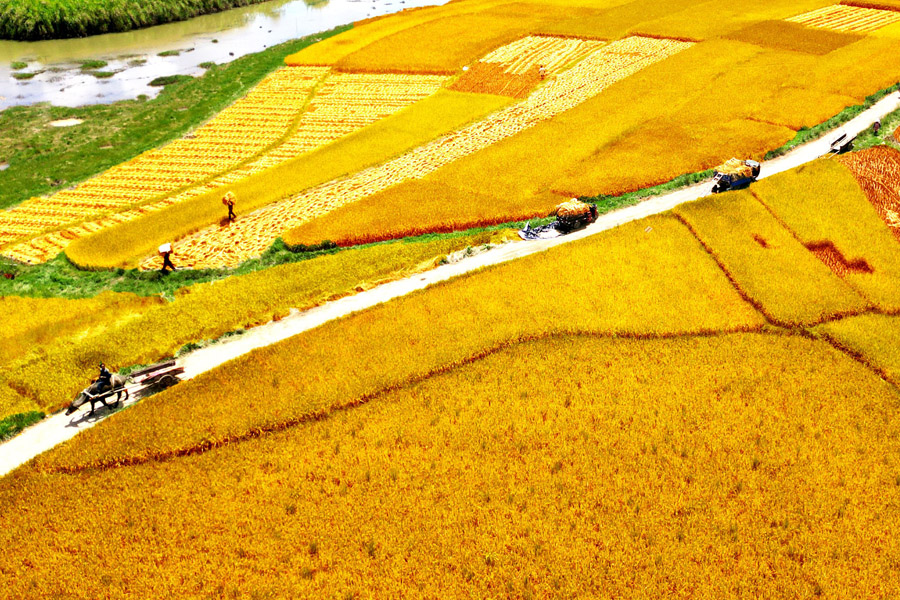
(492,78)
(831,256)
(878,172)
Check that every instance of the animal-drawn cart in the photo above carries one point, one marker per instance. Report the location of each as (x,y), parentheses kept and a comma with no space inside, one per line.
(158,377)
(143,382)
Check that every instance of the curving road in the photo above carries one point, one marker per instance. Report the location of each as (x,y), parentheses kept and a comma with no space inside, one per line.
(58,428)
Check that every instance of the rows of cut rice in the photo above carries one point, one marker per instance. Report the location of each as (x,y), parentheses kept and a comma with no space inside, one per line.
(347,102)
(236,134)
(342,104)
(848,19)
(876,170)
(515,69)
(552,53)
(251,235)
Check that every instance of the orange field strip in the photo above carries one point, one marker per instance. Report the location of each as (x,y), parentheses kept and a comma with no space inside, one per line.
(342,104)
(849,19)
(251,235)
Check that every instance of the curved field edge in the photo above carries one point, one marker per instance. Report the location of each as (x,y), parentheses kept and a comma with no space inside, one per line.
(32,20)
(774,471)
(45,159)
(646,278)
(52,373)
(872,339)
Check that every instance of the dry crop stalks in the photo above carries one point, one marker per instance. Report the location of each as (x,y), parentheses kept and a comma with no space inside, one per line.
(849,19)
(251,235)
(236,134)
(515,69)
(342,104)
(878,172)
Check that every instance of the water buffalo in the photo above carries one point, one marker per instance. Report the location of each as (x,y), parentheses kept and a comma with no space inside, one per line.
(96,392)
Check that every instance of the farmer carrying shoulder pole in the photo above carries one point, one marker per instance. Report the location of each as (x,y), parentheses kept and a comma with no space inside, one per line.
(228,200)
(166,252)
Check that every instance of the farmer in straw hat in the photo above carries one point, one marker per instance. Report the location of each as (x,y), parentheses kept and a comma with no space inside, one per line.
(228,200)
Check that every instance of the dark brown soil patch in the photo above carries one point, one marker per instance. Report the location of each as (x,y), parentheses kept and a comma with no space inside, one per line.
(831,256)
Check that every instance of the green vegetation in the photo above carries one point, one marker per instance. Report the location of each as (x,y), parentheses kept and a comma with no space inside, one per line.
(87,65)
(13,424)
(440,113)
(169,53)
(51,19)
(208,311)
(103,74)
(812,133)
(23,76)
(607,204)
(169,80)
(44,159)
(207,65)
(18,64)
(59,278)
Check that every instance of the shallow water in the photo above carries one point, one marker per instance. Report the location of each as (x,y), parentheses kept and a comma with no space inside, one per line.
(134,59)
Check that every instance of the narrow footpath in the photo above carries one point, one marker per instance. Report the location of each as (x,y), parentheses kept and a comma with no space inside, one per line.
(60,427)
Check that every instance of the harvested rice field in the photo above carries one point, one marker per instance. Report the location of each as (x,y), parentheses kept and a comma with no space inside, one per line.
(355,372)
(849,19)
(291,113)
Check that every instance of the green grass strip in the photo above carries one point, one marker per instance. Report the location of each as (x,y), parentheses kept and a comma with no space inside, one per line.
(812,133)
(14,424)
(45,159)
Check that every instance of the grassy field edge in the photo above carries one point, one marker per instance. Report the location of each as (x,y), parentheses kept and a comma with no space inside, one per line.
(46,159)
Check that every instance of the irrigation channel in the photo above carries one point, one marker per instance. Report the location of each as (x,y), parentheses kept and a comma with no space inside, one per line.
(58,428)
(134,56)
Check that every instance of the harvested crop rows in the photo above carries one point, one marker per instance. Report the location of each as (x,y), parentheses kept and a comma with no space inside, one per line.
(251,235)
(342,104)
(513,70)
(878,172)
(234,135)
(847,19)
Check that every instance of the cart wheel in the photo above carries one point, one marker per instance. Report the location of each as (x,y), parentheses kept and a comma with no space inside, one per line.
(167,381)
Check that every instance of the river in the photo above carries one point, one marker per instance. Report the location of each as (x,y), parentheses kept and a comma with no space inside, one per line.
(134,59)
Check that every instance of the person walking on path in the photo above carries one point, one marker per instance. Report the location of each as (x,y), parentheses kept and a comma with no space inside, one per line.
(228,200)
(166,252)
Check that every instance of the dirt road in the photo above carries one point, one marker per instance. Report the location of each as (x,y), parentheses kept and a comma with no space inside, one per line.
(58,428)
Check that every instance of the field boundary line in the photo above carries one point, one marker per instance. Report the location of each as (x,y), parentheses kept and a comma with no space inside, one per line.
(412,380)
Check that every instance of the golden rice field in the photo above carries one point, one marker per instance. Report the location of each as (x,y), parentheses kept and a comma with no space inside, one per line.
(50,344)
(659,410)
(851,19)
(296,109)
(743,91)
(252,234)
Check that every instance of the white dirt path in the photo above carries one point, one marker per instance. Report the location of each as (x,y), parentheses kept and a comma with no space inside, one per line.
(59,428)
